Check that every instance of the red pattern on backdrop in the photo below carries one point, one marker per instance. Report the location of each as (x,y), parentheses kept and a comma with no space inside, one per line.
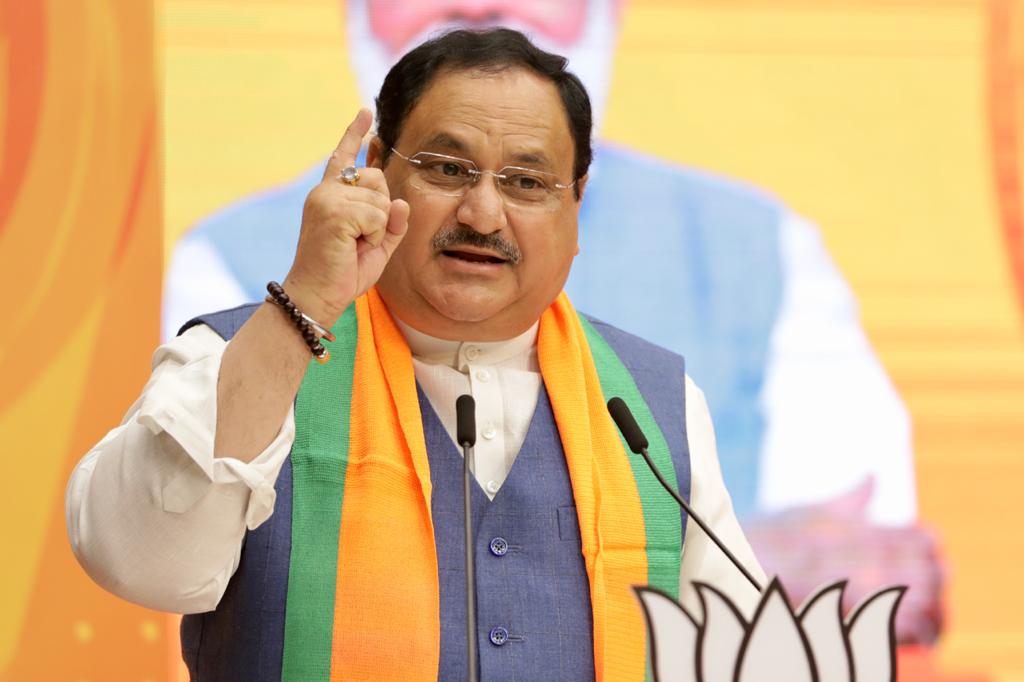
(1005,78)
(24,33)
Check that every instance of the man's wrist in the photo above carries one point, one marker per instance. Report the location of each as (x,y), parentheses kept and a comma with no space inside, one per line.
(311,303)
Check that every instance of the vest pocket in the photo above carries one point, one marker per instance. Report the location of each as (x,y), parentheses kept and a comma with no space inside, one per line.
(568,524)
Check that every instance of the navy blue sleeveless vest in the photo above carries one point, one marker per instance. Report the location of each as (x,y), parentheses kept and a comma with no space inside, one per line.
(533,595)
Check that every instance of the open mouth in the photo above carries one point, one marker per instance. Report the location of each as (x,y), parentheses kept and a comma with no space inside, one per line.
(474,257)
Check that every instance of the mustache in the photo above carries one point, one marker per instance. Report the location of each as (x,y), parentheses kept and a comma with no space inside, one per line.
(463,235)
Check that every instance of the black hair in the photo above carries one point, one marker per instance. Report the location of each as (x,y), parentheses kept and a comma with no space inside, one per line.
(494,49)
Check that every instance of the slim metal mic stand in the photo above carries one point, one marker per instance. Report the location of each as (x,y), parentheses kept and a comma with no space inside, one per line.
(465,427)
(468,470)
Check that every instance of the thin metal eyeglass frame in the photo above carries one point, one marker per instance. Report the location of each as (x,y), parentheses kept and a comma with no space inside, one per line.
(476,173)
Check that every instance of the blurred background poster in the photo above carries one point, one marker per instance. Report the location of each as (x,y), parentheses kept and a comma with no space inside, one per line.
(818,204)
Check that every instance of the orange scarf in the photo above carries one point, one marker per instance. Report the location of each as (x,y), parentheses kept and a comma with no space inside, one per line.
(366,446)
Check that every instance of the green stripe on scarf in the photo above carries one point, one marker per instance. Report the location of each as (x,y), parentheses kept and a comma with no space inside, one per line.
(662,524)
(322,407)
(661,514)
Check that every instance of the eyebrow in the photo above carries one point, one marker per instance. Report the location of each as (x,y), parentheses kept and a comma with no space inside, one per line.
(446,141)
(538,158)
(449,142)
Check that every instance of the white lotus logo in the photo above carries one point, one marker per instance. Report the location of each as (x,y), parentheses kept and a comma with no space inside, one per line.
(814,644)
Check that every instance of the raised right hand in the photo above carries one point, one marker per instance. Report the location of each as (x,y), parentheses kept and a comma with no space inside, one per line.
(348,233)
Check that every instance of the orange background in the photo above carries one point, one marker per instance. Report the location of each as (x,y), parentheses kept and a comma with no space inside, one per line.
(893,125)
(80,240)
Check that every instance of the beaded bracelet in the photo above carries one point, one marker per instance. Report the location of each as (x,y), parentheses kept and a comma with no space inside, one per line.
(307,326)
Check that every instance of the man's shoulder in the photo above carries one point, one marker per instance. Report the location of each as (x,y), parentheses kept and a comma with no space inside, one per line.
(225,322)
(636,352)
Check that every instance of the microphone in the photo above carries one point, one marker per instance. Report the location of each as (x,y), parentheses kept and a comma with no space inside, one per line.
(638,444)
(465,431)
(465,421)
(635,438)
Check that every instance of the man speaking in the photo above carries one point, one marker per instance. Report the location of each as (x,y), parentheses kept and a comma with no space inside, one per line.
(309,513)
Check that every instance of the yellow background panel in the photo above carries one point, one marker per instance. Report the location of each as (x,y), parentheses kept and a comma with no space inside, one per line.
(869,117)
(248,80)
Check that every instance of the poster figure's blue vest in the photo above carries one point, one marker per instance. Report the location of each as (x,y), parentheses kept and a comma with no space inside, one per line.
(682,257)
(533,594)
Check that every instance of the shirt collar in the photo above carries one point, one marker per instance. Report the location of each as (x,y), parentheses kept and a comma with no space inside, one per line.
(460,354)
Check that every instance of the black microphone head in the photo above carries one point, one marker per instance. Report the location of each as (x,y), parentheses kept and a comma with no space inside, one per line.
(635,438)
(465,420)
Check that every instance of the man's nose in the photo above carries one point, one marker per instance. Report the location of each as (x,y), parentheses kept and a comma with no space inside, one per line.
(482,207)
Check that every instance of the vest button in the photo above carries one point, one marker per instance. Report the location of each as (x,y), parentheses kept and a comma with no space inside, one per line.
(499,547)
(499,636)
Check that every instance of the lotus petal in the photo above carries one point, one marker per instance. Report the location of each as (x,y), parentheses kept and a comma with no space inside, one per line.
(821,618)
(721,636)
(871,630)
(673,636)
(775,648)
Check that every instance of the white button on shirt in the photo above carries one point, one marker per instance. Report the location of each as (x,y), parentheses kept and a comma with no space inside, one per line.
(155,518)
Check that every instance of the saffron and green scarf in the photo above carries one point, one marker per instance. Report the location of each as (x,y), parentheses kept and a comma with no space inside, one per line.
(361,479)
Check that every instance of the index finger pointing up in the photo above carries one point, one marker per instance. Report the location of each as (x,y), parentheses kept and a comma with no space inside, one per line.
(348,148)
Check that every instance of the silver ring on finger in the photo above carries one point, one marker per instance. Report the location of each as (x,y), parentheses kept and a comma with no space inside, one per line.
(349,175)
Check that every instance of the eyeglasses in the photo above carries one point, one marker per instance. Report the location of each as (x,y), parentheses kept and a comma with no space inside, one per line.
(450,176)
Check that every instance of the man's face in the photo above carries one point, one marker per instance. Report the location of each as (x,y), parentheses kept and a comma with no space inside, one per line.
(453,290)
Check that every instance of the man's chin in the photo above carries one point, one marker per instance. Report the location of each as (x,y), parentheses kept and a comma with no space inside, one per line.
(464,305)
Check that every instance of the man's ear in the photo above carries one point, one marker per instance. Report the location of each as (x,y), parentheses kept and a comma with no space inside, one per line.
(373,153)
(581,185)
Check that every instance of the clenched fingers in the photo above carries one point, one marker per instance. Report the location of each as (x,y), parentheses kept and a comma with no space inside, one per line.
(369,178)
(365,195)
(372,223)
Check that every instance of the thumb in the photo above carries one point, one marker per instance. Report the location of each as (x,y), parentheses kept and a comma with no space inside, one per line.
(398,224)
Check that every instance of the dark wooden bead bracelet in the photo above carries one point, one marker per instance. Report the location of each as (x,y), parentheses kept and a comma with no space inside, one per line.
(307,326)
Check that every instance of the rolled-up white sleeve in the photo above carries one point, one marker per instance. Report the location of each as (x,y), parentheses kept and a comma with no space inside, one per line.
(152,515)
(702,560)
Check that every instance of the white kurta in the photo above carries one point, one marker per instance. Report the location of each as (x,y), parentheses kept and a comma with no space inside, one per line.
(155,518)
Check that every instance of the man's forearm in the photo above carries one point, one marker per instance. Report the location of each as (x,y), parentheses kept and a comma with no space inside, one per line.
(260,374)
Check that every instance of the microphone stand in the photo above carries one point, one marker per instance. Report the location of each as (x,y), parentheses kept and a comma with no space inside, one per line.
(700,522)
(465,427)
(468,471)
(637,442)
